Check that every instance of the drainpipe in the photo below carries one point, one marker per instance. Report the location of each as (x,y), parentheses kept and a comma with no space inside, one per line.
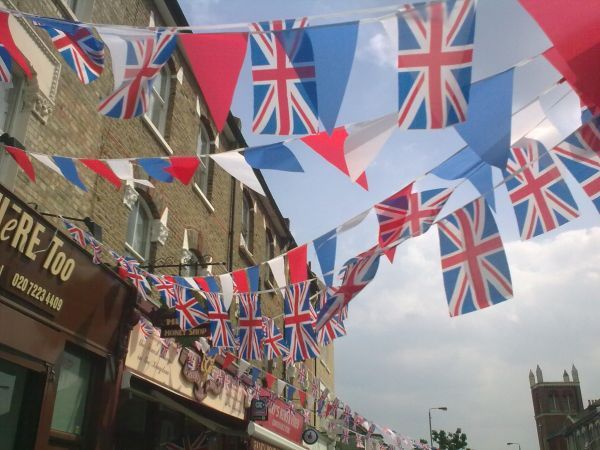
(231,227)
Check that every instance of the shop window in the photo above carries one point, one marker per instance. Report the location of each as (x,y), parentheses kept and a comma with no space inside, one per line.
(158,104)
(71,393)
(20,401)
(139,228)
(247,222)
(202,178)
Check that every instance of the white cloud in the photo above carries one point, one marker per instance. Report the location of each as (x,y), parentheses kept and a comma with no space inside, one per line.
(378,50)
(404,354)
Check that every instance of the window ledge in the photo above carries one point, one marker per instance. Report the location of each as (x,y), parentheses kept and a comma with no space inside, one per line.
(67,10)
(325,366)
(205,200)
(157,135)
(247,254)
(139,257)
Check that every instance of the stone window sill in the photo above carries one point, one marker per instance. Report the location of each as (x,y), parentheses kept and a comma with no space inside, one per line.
(205,200)
(158,136)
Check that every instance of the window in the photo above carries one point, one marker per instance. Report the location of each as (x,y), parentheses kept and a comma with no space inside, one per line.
(269,244)
(10,97)
(247,221)
(159,100)
(138,229)
(82,9)
(203,148)
(71,393)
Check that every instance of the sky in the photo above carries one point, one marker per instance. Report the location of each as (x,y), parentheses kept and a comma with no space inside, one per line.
(477,365)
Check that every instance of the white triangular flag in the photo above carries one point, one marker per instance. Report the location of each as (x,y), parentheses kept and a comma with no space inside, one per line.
(235,165)
(123,169)
(353,222)
(280,387)
(365,141)
(243,367)
(277,266)
(47,161)
(226,288)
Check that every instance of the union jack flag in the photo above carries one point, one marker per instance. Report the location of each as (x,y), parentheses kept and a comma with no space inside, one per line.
(333,329)
(76,233)
(165,344)
(165,287)
(274,345)
(96,248)
(540,197)
(283,73)
(435,53)
(77,45)
(146,328)
(200,442)
(250,326)
(129,268)
(5,65)
(145,59)
(190,313)
(357,273)
(345,436)
(298,320)
(407,214)
(580,153)
(360,443)
(221,333)
(476,273)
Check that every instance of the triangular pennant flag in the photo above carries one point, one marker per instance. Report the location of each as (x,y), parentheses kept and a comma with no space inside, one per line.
(270,380)
(155,168)
(325,248)
(243,367)
(183,168)
(216,61)
(123,169)
(76,43)
(334,47)
(235,165)
(255,373)
(487,132)
(103,170)
(226,288)
(273,157)
(228,360)
(302,397)
(280,387)
(291,390)
(365,141)
(22,159)
(277,266)
(331,147)
(63,166)
(297,264)
(9,51)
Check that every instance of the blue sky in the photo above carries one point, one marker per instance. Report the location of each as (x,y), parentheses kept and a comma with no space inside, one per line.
(477,365)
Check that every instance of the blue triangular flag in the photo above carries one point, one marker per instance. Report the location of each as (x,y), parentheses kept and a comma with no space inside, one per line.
(487,129)
(69,171)
(334,47)
(253,274)
(155,167)
(291,390)
(272,156)
(325,248)
(482,180)
(255,373)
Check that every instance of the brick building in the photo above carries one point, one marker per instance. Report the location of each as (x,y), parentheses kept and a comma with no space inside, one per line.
(214,225)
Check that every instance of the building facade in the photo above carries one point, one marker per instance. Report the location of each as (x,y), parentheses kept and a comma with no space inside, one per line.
(212,226)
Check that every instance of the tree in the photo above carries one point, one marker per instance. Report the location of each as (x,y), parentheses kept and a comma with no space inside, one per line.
(450,441)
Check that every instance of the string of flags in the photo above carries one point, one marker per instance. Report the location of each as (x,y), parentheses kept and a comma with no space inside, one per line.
(299,72)
(299,392)
(474,265)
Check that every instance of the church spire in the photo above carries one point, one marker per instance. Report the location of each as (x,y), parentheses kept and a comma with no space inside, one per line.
(565,377)
(531,378)
(575,374)
(538,373)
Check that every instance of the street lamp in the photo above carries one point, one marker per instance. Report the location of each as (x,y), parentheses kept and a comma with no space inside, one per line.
(514,443)
(441,408)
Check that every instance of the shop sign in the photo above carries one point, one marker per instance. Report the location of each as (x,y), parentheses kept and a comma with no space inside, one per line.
(45,271)
(283,420)
(310,436)
(258,409)
(196,381)
(255,444)
(169,326)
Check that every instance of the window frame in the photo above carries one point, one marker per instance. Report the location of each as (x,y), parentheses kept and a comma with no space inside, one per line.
(130,245)
(8,168)
(247,222)
(204,170)
(163,96)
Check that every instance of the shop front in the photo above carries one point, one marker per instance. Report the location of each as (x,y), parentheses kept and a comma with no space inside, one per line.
(173,397)
(63,326)
(282,430)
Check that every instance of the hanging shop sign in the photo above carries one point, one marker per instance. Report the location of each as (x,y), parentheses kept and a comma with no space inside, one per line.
(169,326)
(259,409)
(310,436)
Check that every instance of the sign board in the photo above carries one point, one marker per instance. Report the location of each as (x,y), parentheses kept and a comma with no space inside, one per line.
(282,420)
(258,409)
(167,321)
(310,436)
(255,444)
(45,271)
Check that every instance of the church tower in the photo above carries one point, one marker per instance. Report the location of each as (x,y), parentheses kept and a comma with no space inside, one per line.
(553,403)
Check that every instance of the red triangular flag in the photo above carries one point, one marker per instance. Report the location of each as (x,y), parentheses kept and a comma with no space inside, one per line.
(331,147)
(240,280)
(216,61)
(302,397)
(572,26)
(183,167)
(22,159)
(270,379)
(102,169)
(8,43)
(297,264)
(229,357)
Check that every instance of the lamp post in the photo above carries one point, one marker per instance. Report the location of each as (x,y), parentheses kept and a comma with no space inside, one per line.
(514,443)
(441,408)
